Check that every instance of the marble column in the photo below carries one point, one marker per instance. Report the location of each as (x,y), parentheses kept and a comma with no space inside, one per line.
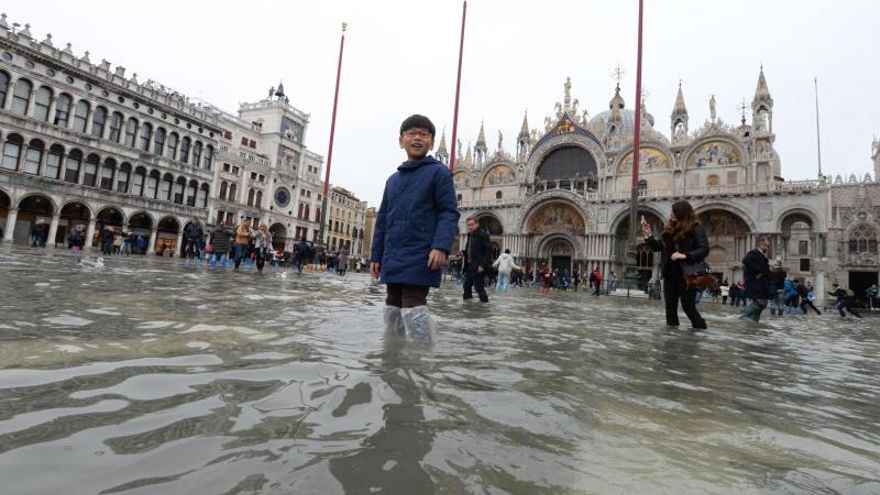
(179,245)
(53,230)
(151,247)
(90,234)
(11,217)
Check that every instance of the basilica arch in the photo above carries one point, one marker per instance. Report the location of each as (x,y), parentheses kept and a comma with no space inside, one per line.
(729,239)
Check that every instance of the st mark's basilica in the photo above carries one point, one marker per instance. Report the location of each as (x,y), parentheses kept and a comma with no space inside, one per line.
(562,197)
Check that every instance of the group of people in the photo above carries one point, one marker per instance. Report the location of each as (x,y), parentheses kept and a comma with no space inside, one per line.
(112,240)
(224,246)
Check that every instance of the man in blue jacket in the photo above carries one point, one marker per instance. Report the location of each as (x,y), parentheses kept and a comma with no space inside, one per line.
(415,226)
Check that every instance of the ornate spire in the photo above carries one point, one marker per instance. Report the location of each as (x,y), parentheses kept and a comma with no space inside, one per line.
(762,93)
(3,23)
(617,101)
(524,130)
(469,157)
(442,147)
(481,139)
(679,108)
(679,118)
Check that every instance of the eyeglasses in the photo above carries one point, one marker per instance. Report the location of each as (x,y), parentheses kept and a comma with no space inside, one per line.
(411,133)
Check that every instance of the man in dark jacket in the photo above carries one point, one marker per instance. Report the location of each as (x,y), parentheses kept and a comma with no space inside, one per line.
(756,268)
(478,259)
(415,226)
(845,301)
(777,287)
(194,236)
(221,242)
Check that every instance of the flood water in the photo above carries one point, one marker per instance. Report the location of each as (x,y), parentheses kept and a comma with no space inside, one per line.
(144,377)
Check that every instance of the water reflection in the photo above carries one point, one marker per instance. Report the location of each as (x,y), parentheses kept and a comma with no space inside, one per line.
(390,460)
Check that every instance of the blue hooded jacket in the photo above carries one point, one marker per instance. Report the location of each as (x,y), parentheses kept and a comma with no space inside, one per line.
(418,213)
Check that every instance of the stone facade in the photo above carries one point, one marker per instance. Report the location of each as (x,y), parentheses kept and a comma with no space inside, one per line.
(85,144)
(562,197)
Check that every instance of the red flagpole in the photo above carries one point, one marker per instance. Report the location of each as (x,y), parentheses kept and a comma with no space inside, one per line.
(332,134)
(638,123)
(457,89)
(631,268)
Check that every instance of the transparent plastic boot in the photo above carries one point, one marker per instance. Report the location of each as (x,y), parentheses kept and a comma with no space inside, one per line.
(418,325)
(393,321)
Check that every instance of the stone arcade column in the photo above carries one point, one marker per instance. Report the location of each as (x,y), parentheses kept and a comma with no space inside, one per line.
(90,234)
(151,247)
(179,245)
(11,217)
(53,230)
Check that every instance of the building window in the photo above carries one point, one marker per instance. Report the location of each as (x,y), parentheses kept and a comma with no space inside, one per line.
(232,191)
(4,88)
(805,264)
(53,161)
(71,168)
(259,200)
(146,136)
(184,150)
(202,200)
(122,178)
(191,193)
(197,154)
(21,96)
(172,146)
(98,119)
(165,188)
(159,141)
(244,141)
(116,126)
(137,182)
(152,185)
(131,128)
(42,101)
(107,174)
(33,157)
(803,247)
(643,187)
(863,239)
(179,186)
(223,190)
(498,195)
(11,152)
(712,181)
(81,116)
(90,173)
(250,200)
(209,156)
(62,110)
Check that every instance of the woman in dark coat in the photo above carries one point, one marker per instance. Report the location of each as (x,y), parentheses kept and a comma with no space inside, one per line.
(683,245)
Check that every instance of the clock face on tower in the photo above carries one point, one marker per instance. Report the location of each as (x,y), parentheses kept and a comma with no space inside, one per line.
(282,196)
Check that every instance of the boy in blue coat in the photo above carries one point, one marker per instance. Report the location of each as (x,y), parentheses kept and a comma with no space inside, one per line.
(415,227)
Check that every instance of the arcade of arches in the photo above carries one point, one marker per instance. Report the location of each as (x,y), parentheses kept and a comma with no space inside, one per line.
(38,221)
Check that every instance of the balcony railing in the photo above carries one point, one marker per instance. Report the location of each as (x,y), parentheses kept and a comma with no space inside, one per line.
(791,187)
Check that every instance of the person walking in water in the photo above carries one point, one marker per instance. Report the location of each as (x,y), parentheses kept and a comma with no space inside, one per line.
(505,264)
(415,226)
(242,240)
(262,246)
(478,259)
(683,242)
(845,300)
(756,269)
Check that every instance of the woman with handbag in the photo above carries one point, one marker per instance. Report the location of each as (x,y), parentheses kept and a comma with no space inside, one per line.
(684,247)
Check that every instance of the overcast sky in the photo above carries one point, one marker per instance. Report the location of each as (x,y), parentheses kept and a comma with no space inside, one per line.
(400,58)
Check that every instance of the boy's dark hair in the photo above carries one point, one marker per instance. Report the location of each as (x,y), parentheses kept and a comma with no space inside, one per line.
(417,121)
